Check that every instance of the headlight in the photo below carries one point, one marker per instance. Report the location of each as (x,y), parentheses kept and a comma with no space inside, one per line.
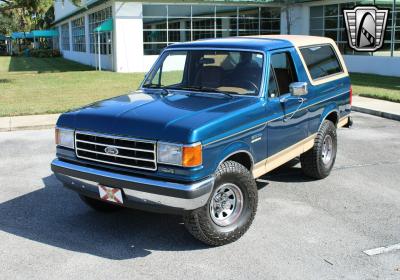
(182,155)
(65,137)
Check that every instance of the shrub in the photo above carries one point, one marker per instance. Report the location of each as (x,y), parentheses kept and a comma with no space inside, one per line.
(44,53)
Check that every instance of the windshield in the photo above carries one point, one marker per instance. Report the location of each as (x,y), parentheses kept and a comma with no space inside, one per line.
(229,72)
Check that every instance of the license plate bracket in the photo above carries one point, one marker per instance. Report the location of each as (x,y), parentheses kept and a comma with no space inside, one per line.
(110,194)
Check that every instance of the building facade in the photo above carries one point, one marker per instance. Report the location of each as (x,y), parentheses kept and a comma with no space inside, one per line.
(141,29)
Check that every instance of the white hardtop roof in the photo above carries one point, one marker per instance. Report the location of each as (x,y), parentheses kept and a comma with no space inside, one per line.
(298,40)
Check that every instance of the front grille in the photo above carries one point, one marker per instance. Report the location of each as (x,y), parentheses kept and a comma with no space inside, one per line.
(132,153)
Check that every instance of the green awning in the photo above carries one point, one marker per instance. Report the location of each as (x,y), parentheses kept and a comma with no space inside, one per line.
(44,33)
(105,26)
(21,35)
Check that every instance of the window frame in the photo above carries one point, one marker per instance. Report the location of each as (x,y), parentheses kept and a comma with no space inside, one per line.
(319,79)
(206,27)
(78,34)
(292,64)
(261,92)
(95,19)
(65,38)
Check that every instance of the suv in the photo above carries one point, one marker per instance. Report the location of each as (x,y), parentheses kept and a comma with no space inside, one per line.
(209,118)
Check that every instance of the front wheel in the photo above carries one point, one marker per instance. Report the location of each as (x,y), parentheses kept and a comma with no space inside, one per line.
(230,209)
(318,162)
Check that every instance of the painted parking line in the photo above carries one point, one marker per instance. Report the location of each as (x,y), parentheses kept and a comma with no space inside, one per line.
(381,250)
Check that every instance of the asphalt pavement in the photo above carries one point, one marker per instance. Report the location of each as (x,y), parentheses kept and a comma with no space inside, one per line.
(304,229)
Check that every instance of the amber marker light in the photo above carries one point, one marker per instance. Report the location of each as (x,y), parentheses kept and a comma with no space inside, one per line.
(192,155)
(57,136)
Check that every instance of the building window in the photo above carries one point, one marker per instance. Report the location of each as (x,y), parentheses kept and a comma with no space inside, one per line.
(65,37)
(167,24)
(95,20)
(270,20)
(328,21)
(78,35)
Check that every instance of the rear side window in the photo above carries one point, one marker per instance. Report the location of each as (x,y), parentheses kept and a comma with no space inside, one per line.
(321,61)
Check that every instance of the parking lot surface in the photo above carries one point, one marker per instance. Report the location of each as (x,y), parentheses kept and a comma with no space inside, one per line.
(304,229)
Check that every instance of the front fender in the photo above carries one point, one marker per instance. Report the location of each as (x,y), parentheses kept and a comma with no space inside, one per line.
(230,150)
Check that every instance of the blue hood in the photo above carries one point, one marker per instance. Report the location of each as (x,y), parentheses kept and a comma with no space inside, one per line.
(178,117)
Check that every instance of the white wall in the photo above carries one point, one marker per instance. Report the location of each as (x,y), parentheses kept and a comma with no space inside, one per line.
(299,18)
(381,65)
(63,9)
(128,37)
(89,59)
(148,61)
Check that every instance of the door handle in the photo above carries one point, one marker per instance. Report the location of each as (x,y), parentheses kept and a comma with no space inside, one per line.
(299,99)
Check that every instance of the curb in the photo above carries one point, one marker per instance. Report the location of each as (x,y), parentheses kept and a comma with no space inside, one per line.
(2,129)
(28,122)
(376,113)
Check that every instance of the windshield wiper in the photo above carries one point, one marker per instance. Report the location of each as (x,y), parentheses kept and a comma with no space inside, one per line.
(201,88)
(208,89)
(157,86)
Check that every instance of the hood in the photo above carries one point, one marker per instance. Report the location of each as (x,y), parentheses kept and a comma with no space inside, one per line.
(178,117)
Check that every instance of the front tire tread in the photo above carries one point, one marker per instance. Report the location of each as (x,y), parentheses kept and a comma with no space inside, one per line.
(197,222)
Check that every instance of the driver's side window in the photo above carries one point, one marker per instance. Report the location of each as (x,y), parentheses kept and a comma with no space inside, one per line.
(273,90)
(283,69)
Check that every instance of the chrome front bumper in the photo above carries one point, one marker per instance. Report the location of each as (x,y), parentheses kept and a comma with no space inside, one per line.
(142,193)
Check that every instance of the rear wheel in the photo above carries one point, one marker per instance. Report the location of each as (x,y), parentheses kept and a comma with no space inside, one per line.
(99,205)
(230,209)
(318,161)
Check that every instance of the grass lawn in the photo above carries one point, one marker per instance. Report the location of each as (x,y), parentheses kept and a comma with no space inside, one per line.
(375,86)
(52,85)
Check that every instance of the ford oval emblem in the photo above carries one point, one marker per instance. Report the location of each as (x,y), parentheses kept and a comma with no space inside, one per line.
(111,151)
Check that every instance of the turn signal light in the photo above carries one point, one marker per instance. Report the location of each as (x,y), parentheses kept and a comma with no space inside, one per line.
(192,156)
(57,136)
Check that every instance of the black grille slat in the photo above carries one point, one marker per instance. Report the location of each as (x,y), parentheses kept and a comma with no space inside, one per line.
(131,152)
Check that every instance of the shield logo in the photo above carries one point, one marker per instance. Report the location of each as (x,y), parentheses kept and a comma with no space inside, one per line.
(365,26)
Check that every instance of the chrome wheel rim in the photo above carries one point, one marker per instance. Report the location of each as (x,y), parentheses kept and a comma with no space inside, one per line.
(327,149)
(226,204)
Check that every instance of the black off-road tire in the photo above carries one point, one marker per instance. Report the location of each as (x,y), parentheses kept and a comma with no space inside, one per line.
(312,162)
(199,222)
(100,206)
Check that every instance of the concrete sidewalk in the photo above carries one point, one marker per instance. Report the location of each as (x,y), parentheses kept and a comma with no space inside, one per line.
(376,107)
(381,108)
(28,122)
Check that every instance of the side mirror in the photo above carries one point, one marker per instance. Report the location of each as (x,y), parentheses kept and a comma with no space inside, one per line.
(298,88)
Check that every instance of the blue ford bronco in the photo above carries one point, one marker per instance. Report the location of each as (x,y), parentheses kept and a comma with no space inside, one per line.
(209,118)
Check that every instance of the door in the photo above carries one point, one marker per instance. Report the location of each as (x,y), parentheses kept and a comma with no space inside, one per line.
(288,124)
